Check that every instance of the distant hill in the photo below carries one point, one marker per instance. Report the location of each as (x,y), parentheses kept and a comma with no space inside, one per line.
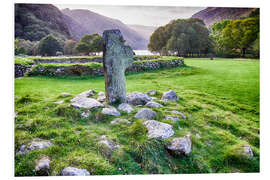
(145,31)
(90,22)
(211,15)
(34,21)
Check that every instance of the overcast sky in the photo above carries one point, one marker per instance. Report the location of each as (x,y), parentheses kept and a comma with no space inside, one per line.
(143,15)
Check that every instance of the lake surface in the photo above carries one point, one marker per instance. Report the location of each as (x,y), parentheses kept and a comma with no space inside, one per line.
(143,52)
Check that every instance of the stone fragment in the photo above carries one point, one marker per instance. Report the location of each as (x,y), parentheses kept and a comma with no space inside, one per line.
(111,111)
(65,94)
(107,146)
(85,114)
(158,129)
(245,150)
(59,102)
(170,95)
(198,135)
(180,146)
(172,118)
(43,166)
(116,58)
(85,94)
(72,171)
(35,144)
(137,98)
(120,121)
(87,103)
(152,93)
(177,112)
(145,113)
(125,107)
(153,104)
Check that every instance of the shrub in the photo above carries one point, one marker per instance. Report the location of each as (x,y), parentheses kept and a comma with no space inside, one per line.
(49,45)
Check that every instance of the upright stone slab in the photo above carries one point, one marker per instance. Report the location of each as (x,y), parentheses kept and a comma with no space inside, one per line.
(116,58)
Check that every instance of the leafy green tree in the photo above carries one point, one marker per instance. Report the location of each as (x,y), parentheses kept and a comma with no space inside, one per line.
(90,43)
(49,45)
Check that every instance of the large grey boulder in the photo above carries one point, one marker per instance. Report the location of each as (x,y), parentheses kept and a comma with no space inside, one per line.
(43,166)
(107,146)
(158,129)
(116,58)
(72,171)
(137,98)
(153,104)
(180,146)
(87,103)
(111,111)
(125,107)
(145,113)
(170,95)
(35,144)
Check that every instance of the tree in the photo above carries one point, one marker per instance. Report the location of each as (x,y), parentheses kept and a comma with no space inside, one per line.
(90,43)
(49,45)
(69,47)
(181,37)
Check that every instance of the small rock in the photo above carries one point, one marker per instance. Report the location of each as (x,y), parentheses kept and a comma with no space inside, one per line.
(43,166)
(153,104)
(111,111)
(180,146)
(137,98)
(101,98)
(83,95)
(153,98)
(125,107)
(120,121)
(172,118)
(145,113)
(170,95)
(101,94)
(158,129)
(177,112)
(85,114)
(152,93)
(88,103)
(107,146)
(15,114)
(65,94)
(72,171)
(35,144)
(245,150)
(59,102)
(198,135)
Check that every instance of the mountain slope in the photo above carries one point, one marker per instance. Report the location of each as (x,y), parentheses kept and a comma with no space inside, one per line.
(91,22)
(145,31)
(34,21)
(211,15)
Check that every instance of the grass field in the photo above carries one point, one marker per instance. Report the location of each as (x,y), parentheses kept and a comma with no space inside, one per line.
(220,99)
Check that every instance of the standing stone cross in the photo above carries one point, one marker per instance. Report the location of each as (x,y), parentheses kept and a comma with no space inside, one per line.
(116,58)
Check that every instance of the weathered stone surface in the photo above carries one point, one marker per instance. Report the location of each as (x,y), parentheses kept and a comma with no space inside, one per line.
(116,58)
(120,121)
(111,111)
(125,107)
(43,166)
(177,112)
(72,171)
(152,93)
(85,94)
(101,94)
(153,104)
(170,95)
(245,150)
(145,113)
(198,135)
(137,98)
(172,118)
(85,114)
(107,146)
(158,129)
(180,146)
(88,103)
(35,144)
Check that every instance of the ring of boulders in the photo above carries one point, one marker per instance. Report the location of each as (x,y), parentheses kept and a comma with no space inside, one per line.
(178,146)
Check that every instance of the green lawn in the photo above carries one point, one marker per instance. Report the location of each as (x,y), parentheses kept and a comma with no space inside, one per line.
(220,99)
